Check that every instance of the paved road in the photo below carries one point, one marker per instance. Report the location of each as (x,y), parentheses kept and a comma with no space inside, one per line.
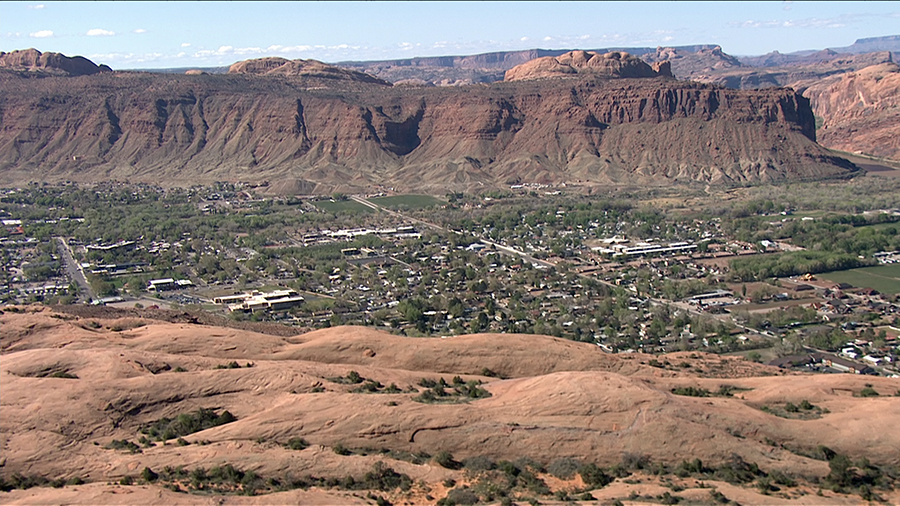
(74,270)
(500,247)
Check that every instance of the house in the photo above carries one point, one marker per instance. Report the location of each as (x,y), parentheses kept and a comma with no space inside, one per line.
(843,365)
(160,285)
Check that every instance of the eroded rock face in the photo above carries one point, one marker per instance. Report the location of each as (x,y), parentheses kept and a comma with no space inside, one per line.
(34,60)
(332,135)
(860,110)
(613,64)
(309,68)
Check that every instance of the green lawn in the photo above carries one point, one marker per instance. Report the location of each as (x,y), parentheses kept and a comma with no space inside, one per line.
(342,206)
(884,278)
(407,201)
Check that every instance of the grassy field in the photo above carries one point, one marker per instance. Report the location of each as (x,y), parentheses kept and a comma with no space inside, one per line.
(884,278)
(342,206)
(407,201)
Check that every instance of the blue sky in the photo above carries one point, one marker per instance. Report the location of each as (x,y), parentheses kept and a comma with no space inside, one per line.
(183,34)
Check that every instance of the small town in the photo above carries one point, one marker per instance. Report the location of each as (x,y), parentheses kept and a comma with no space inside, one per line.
(628,278)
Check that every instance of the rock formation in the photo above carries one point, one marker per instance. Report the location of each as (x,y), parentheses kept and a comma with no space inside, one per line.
(612,64)
(860,110)
(309,68)
(55,63)
(305,128)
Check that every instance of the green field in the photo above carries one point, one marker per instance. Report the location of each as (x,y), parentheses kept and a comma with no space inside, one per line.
(884,278)
(407,201)
(342,206)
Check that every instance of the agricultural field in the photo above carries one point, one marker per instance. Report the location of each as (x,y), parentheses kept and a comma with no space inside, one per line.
(884,278)
(407,201)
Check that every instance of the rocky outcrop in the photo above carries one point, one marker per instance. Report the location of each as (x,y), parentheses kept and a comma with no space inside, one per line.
(610,65)
(685,64)
(308,68)
(860,110)
(51,63)
(796,76)
(331,135)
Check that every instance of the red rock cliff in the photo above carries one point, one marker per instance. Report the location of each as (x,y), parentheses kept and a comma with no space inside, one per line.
(326,134)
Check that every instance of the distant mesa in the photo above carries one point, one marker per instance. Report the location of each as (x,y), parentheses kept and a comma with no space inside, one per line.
(273,66)
(196,72)
(51,63)
(615,64)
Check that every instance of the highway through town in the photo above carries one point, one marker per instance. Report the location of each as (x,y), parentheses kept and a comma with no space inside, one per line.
(74,270)
(499,247)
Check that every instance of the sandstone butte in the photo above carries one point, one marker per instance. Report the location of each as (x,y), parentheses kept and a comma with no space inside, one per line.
(307,127)
(614,64)
(559,399)
(33,60)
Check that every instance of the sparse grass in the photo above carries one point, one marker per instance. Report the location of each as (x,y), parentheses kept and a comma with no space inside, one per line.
(802,411)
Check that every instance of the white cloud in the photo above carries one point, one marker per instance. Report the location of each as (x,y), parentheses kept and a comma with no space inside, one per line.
(99,32)
(140,30)
(524,39)
(185,44)
(42,34)
(38,6)
(838,22)
(548,38)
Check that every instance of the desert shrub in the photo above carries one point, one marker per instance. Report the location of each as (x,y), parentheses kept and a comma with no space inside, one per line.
(691,391)
(186,423)
(460,496)
(564,468)
(868,391)
(508,468)
(718,497)
(296,443)
(487,372)
(340,449)
(782,479)
(737,471)
(635,462)
(369,386)
(383,478)
(479,463)
(805,404)
(445,459)
(667,498)
(126,480)
(685,468)
(149,475)
(21,481)
(593,476)
(123,444)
